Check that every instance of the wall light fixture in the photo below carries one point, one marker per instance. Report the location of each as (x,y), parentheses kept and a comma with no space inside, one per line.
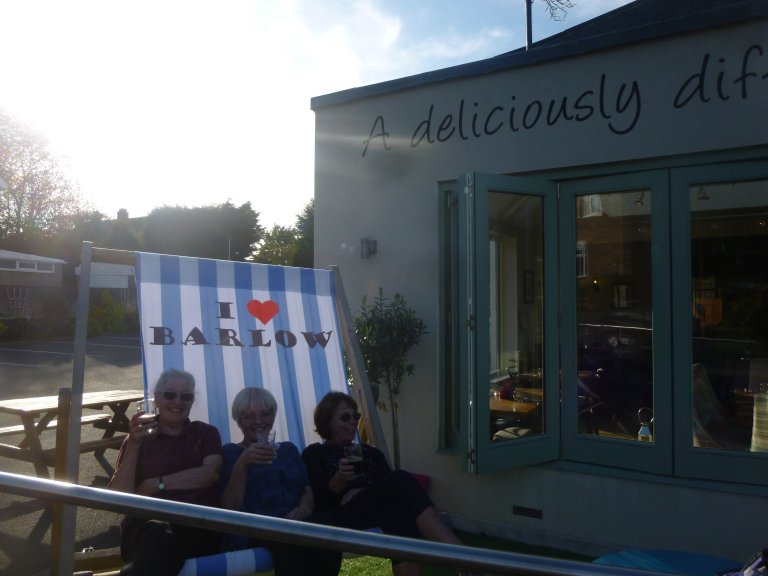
(367,248)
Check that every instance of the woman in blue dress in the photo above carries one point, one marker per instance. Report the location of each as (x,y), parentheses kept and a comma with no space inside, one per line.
(268,478)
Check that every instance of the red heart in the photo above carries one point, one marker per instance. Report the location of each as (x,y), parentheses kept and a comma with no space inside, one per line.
(263,311)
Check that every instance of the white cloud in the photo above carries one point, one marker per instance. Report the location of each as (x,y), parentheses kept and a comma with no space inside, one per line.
(198,101)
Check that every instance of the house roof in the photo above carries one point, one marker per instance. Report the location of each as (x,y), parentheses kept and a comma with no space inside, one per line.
(639,21)
(8,255)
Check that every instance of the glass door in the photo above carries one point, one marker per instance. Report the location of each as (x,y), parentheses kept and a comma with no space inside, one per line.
(721,291)
(616,369)
(510,318)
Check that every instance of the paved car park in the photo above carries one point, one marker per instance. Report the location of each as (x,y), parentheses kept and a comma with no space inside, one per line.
(29,369)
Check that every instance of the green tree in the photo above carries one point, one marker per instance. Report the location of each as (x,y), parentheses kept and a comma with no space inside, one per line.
(278,247)
(39,200)
(66,244)
(291,246)
(387,330)
(305,237)
(224,231)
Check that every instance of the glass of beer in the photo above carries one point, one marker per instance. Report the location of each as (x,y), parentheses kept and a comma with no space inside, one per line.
(354,455)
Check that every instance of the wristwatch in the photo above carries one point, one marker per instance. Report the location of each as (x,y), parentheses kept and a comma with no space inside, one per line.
(160,484)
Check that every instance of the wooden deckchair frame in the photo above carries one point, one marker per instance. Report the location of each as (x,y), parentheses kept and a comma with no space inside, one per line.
(63,531)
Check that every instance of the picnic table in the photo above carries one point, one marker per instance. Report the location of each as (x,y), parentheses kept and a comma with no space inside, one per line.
(40,414)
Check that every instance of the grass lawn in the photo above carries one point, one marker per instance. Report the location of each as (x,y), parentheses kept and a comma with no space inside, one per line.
(372,566)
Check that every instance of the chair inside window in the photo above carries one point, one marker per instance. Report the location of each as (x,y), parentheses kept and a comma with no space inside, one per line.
(712,426)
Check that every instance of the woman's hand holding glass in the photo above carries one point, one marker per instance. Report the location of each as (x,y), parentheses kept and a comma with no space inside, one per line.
(353,458)
(263,451)
(144,421)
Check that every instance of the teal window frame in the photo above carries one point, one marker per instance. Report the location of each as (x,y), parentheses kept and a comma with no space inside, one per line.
(482,454)
(627,454)
(672,456)
(690,462)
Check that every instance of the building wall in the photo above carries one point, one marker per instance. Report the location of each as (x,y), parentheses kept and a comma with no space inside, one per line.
(377,174)
(16,278)
(21,292)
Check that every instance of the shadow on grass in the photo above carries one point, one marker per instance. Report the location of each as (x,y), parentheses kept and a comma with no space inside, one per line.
(372,566)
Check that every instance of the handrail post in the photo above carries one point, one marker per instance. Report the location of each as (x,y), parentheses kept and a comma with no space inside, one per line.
(61,540)
(72,448)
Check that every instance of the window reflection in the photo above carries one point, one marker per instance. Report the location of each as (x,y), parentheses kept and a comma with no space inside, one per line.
(614,339)
(516,316)
(729,280)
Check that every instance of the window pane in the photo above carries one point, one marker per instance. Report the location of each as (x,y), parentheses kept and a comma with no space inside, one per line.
(729,269)
(614,304)
(450,402)
(516,318)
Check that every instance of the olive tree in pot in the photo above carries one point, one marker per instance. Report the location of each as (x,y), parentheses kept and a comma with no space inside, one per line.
(387,330)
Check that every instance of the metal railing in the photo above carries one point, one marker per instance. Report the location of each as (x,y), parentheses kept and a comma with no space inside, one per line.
(304,533)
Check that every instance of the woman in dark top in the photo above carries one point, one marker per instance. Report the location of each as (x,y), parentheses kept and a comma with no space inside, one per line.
(174,459)
(270,479)
(376,497)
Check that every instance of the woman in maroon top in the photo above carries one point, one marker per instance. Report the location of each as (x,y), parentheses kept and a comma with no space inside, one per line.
(173,459)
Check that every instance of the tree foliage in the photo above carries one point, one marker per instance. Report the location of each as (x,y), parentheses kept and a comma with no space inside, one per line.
(278,247)
(305,237)
(39,201)
(290,246)
(387,330)
(224,231)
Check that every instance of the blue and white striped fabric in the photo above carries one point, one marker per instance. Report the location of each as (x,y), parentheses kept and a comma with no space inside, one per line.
(238,563)
(236,324)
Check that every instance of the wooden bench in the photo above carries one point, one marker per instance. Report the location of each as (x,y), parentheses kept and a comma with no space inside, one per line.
(98,560)
(92,446)
(94,419)
(47,455)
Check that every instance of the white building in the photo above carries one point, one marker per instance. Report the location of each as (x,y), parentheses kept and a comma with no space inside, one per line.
(579,225)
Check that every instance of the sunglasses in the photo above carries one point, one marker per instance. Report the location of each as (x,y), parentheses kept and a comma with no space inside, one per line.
(251,417)
(347,416)
(184,396)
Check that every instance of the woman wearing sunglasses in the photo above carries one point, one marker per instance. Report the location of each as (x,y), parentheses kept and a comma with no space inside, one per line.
(269,479)
(374,496)
(173,459)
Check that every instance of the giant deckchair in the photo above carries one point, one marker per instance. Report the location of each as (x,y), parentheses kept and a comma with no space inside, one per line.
(236,324)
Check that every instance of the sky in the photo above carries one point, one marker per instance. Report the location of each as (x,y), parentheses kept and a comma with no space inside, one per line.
(149,103)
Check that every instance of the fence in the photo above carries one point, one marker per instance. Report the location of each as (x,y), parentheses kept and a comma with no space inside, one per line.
(372,544)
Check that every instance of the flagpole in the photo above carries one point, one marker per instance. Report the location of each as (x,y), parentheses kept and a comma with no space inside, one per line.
(528,24)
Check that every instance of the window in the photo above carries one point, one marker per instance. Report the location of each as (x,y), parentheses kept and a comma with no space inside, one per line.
(729,276)
(721,277)
(614,343)
(26,266)
(581,259)
(506,358)
(615,352)
(652,355)
(449,393)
